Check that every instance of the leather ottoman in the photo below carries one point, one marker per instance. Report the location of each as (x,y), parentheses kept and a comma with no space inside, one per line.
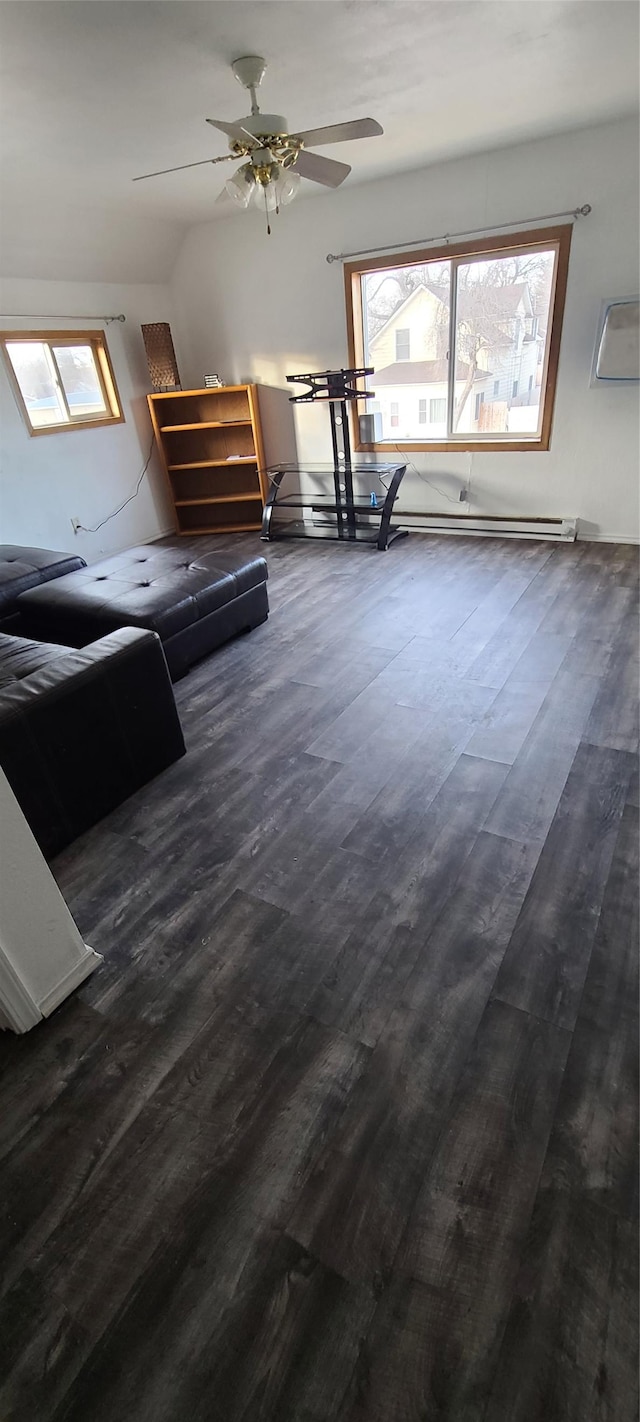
(23,568)
(193,604)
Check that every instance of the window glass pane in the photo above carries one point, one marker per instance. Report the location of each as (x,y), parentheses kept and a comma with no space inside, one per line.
(502,326)
(80,380)
(406,309)
(36,378)
(403,344)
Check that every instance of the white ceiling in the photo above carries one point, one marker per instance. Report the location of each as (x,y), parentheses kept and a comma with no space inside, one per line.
(94,92)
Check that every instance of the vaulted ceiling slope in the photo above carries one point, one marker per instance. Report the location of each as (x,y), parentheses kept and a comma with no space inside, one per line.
(94,92)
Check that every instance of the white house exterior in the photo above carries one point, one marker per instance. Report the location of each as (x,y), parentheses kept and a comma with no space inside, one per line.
(496,389)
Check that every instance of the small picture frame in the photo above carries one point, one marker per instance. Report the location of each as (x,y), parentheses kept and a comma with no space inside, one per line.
(616,356)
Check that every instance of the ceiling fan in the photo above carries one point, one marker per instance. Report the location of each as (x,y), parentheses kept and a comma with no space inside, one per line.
(277,159)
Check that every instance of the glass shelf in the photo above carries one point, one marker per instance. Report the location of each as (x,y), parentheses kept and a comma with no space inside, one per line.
(346,514)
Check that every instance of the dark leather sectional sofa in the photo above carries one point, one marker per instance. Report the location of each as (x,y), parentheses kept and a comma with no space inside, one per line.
(80,729)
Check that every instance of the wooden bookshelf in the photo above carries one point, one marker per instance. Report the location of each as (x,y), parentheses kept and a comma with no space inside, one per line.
(210,443)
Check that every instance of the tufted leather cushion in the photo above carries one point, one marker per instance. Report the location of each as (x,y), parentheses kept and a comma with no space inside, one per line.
(23,568)
(162,589)
(19,657)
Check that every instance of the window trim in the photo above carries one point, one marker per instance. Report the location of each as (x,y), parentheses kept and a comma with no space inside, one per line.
(98,342)
(457,252)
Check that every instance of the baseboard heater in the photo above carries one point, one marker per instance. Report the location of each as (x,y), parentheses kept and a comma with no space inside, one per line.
(563,530)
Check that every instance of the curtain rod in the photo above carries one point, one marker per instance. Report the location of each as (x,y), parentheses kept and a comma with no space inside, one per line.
(574,212)
(51,316)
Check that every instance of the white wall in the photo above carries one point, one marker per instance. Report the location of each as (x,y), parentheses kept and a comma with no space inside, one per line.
(46,480)
(42,956)
(254,307)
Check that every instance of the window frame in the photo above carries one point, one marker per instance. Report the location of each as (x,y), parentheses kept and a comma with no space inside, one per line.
(515,243)
(98,342)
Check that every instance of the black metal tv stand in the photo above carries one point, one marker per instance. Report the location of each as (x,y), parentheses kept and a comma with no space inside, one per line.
(355,511)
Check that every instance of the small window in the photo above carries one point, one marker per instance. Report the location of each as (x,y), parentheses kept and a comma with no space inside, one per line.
(531,382)
(394,414)
(403,344)
(62,379)
(437,411)
(479,403)
(496,389)
(514,390)
(422,412)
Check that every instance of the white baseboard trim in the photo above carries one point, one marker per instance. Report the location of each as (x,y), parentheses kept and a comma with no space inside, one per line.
(164,533)
(552,530)
(19,1011)
(71,980)
(608,538)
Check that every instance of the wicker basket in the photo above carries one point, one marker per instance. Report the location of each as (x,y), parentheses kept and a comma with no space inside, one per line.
(161,357)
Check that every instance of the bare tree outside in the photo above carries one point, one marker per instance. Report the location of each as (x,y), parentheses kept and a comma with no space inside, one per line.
(485,319)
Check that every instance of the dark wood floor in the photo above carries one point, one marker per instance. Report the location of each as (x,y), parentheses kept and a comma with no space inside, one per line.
(345,1126)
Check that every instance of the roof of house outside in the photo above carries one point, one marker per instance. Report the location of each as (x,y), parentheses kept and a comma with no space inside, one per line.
(424,286)
(423,372)
(505,301)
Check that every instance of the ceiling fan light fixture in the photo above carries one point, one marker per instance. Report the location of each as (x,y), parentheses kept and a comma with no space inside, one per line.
(274,187)
(264,196)
(241,186)
(287,185)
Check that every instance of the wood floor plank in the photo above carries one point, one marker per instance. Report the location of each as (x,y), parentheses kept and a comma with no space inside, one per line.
(614,715)
(570,1349)
(503,652)
(611,989)
(216,1146)
(113,1081)
(529,800)
(359,1196)
(506,724)
(39,1340)
(396,814)
(593,1150)
(278,1336)
(546,963)
(418,881)
(436,1337)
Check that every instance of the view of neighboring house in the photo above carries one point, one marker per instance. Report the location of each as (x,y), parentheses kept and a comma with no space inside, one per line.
(500,351)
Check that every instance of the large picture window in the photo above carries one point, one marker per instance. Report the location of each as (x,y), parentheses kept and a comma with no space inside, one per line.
(62,379)
(472,329)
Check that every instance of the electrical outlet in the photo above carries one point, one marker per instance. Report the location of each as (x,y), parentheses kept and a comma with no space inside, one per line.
(75,524)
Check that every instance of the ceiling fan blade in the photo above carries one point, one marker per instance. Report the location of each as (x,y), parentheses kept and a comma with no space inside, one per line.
(321,170)
(339,132)
(200,164)
(233,130)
